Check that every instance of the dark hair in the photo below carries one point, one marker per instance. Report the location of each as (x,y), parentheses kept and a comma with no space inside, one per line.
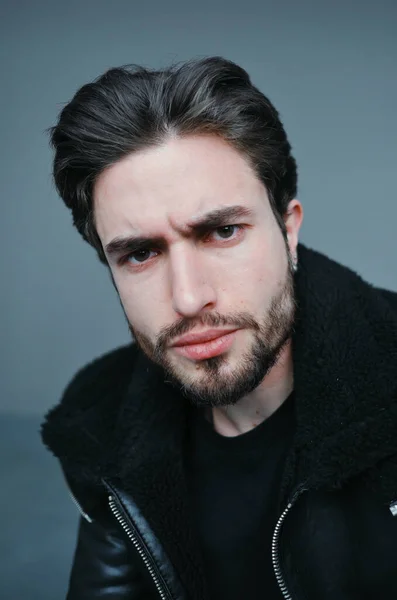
(131,108)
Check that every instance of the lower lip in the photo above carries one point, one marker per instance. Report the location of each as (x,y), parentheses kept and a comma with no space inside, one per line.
(207,349)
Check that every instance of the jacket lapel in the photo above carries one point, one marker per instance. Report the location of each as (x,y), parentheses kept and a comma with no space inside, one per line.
(345,362)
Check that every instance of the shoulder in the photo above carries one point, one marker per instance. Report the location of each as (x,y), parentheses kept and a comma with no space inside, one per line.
(109,373)
(390,296)
(76,428)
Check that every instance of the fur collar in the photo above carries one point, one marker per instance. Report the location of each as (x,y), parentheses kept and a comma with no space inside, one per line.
(121,421)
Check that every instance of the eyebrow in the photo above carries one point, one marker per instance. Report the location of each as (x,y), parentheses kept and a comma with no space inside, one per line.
(211,220)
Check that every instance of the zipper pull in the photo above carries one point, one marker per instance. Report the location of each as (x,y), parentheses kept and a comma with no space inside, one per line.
(393,508)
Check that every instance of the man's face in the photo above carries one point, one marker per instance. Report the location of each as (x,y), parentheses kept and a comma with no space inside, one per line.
(232,274)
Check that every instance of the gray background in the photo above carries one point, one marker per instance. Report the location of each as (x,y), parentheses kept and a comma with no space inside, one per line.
(329,67)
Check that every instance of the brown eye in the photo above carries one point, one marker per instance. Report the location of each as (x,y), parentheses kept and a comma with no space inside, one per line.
(140,256)
(227,231)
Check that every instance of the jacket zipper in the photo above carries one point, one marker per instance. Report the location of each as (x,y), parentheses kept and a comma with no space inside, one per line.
(163,592)
(156,580)
(81,511)
(276,546)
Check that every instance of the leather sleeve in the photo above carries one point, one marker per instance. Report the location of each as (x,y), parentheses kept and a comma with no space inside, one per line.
(103,566)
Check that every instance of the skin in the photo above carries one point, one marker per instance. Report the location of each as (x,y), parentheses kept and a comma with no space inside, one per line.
(239,276)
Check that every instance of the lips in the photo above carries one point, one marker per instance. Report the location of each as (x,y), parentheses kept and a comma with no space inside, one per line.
(201,338)
(218,343)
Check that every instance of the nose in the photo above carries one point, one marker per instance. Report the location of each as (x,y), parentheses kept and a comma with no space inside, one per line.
(190,281)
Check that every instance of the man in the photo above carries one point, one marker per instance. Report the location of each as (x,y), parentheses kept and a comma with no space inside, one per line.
(244,445)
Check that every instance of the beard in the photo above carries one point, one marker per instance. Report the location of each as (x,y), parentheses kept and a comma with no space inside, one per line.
(212,383)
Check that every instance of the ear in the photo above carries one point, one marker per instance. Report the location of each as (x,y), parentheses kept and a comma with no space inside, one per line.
(293,220)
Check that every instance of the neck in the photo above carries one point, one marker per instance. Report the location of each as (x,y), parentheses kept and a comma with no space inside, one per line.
(254,408)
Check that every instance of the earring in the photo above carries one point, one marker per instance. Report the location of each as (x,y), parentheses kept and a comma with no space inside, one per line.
(295,264)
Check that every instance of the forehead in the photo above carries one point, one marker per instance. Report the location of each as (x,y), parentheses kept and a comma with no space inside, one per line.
(172,184)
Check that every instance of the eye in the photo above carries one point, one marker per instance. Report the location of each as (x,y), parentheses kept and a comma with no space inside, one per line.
(140,256)
(226,231)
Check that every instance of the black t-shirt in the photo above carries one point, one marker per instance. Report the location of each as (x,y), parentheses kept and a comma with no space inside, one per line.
(234,485)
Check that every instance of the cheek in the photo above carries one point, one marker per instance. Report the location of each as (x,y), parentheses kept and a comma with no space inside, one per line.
(262,265)
(142,307)
(258,280)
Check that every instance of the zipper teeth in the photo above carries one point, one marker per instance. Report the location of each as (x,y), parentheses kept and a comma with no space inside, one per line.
(276,542)
(275,555)
(138,546)
(76,502)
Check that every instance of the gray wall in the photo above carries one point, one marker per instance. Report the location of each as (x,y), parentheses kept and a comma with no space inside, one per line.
(329,67)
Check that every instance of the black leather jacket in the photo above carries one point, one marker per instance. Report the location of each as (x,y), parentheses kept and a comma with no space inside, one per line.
(315,543)
(120,430)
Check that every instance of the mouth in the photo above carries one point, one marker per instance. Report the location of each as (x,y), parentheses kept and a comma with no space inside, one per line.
(205,345)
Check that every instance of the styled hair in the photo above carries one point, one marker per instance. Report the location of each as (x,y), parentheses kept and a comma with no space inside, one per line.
(131,108)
